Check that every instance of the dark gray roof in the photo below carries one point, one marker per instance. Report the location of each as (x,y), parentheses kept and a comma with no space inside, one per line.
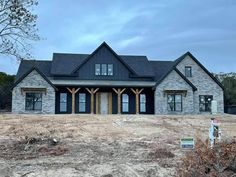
(161,68)
(139,64)
(64,64)
(43,65)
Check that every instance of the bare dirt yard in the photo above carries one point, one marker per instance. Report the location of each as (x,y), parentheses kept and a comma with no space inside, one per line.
(97,145)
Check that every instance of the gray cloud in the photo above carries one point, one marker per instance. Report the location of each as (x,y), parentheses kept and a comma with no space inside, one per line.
(159,29)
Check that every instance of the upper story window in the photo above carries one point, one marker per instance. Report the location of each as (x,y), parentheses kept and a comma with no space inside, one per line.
(110,69)
(33,101)
(188,71)
(104,69)
(97,69)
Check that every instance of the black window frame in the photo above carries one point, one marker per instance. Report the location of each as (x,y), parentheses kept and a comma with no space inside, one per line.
(188,71)
(206,104)
(111,74)
(174,102)
(125,103)
(104,72)
(101,73)
(95,69)
(141,102)
(63,102)
(82,102)
(32,99)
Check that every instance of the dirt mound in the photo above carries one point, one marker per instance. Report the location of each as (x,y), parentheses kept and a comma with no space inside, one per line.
(30,148)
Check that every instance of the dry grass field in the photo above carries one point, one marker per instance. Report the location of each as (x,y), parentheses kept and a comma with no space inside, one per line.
(97,145)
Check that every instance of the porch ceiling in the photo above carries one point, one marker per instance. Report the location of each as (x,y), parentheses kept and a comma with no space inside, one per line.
(103,83)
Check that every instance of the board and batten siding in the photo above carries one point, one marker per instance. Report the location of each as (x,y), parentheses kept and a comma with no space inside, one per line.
(33,80)
(103,56)
(204,83)
(173,81)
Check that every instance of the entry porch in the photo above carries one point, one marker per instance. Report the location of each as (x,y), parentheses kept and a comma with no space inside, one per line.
(104,100)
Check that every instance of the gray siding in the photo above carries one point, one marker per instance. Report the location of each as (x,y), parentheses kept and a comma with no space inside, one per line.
(204,83)
(103,56)
(33,80)
(173,82)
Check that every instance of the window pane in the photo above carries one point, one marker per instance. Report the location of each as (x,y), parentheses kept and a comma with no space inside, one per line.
(110,69)
(143,107)
(82,102)
(125,103)
(97,69)
(29,104)
(63,102)
(33,101)
(178,106)
(125,107)
(82,97)
(142,98)
(104,69)
(38,105)
(170,98)
(177,98)
(188,71)
(81,107)
(125,98)
(63,107)
(63,97)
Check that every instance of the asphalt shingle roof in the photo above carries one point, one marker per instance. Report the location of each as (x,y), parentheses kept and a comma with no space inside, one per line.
(43,65)
(64,64)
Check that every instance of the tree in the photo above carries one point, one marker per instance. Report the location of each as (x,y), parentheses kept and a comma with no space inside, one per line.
(230,91)
(6,83)
(17,27)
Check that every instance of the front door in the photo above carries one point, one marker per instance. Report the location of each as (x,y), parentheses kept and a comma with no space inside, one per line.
(104,103)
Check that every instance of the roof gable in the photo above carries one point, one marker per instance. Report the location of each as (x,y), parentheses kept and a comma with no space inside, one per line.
(104,44)
(180,74)
(181,58)
(27,73)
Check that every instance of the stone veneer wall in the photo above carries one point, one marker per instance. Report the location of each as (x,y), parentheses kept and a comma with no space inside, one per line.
(33,80)
(173,82)
(204,83)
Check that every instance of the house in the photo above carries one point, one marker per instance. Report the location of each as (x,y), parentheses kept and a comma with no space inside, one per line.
(104,82)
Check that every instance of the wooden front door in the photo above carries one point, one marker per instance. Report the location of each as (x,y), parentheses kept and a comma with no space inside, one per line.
(104,103)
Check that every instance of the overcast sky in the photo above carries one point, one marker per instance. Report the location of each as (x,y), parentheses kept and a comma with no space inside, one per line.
(160,29)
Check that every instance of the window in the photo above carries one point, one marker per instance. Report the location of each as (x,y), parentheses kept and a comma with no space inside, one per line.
(104,69)
(63,102)
(174,102)
(125,103)
(205,103)
(110,69)
(97,69)
(82,102)
(188,71)
(33,101)
(142,103)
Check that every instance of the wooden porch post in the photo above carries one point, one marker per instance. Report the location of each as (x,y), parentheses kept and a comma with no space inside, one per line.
(118,92)
(73,92)
(92,92)
(137,92)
